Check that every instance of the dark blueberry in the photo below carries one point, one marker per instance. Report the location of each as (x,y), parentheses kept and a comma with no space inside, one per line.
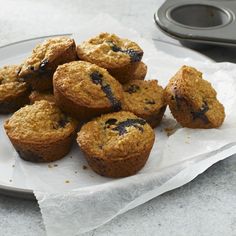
(43,65)
(150,101)
(111,121)
(97,78)
(133,88)
(114,102)
(31,68)
(201,113)
(135,56)
(121,126)
(18,71)
(62,122)
(115,48)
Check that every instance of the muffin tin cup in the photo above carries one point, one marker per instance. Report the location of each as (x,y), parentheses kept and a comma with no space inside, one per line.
(197,23)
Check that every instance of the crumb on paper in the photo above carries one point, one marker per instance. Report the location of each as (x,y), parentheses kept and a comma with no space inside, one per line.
(55,165)
(49,166)
(76,172)
(67,181)
(10,180)
(188,140)
(13,166)
(85,167)
(71,157)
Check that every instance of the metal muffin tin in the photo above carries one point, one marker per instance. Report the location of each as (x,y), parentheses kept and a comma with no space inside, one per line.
(199,22)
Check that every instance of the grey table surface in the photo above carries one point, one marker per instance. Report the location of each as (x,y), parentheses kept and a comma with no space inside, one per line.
(205,206)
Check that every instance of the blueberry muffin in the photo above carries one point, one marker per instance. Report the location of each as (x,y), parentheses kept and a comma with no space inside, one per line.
(193,101)
(111,52)
(134,71)
(116,144)
(41,132)
(38,96)
(145,99)
(37,70)
(85,90)
(13,92)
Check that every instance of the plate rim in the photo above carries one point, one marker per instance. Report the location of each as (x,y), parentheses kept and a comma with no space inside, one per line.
(28,194)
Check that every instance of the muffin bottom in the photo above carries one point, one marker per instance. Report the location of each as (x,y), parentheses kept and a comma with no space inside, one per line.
(75,110)
(155,119)
(43,152)
(120,167)
(13,103)
(42,81)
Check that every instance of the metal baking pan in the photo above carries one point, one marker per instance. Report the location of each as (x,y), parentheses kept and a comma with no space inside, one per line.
(199,22)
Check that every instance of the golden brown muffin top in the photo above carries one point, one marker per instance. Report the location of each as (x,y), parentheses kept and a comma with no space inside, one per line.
(199,95)
(38,96)
(40,122)
(143,97)
(88,85)
(44,53)
(116,135)
(109,51)
(10,86)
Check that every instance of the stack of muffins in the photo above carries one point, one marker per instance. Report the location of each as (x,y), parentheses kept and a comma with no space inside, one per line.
(98,85)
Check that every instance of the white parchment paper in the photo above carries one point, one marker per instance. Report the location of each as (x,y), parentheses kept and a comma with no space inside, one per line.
(73,199)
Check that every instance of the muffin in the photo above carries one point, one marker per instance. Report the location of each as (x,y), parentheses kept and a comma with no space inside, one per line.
(111,52)
(85,90)
(41,132)
(135,71)
(145,99)
(193,101)
(38,96)
(37,70)
(13,92)
(116,144)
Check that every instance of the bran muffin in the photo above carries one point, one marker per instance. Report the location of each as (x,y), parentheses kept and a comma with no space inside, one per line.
(145,99)
(38,96)
(134,71)
(37,70)
(193,101)
(13,92)
(116,144)
(85,90)
(111,52)
(41,132)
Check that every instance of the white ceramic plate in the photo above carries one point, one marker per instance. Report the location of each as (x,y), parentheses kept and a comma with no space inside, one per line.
(15,53)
